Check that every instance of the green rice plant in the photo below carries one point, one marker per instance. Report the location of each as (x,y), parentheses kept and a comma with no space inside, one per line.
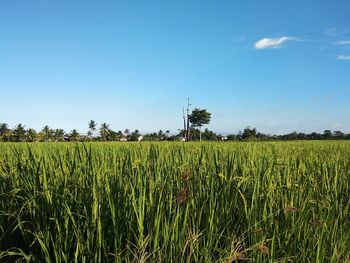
(175,202)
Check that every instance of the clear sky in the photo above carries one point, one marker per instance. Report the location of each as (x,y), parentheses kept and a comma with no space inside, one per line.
(276,65)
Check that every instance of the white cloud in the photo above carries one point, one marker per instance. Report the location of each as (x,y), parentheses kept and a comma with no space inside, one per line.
(336,32)
(272,42)
(343,57)
(342,42)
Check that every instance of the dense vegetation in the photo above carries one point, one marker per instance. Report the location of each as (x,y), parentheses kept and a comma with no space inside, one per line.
(175,202)
(104,133)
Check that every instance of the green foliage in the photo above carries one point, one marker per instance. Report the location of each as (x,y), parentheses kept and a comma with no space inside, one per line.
(74,135)
(31,135)
(104,131)
(175,202)
(199,117)
(249,133)
(19,132)
(92,125)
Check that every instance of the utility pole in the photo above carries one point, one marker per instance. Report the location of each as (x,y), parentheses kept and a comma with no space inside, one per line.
(188,120)
(184,117)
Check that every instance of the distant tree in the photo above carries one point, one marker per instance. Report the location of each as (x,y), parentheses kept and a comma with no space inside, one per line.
(59,135)
(182,133)
(232,137)
(151,136)
(338,135)
(210,135)
(134,135)
(114,136)
(198,118)
(48,133)
(4,130)
(19,133)
(301,136)
(292,136)
(194,134)
(161,135)
(262,136)
(327,134)
(92,128)
(104,131)
(31,135)
(119,135)
(249,133)
(74,135)
(314,136)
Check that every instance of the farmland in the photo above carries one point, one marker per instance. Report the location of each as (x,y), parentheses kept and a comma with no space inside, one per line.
(175,202)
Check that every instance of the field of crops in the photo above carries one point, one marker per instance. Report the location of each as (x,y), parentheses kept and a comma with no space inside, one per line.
(175,202)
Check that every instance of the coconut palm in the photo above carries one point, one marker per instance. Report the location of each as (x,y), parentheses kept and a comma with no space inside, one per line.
(47,132)
(31,135)
(74,135)
(19,133)
(4,129)
(104,131)
(59,135)
(92,128)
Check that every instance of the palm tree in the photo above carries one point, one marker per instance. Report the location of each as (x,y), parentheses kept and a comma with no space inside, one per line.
(31,135)
(160,135)
(134,135)
(48,133)
(104,130)
(92,128)
(59,135)
(19,133)
(74,135)
(4,129)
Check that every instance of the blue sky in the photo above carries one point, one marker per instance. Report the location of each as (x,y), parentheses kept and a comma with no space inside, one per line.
(276,65)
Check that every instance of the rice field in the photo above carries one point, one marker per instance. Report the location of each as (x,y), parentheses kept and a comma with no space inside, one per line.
(175,202)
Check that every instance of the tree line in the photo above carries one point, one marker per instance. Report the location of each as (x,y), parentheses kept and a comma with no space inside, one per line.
(252,134)
(102,133)
(20,133)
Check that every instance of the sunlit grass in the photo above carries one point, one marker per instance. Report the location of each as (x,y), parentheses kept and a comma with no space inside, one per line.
(175,202)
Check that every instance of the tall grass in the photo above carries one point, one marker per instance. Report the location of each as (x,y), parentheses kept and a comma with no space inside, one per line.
(174,202)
